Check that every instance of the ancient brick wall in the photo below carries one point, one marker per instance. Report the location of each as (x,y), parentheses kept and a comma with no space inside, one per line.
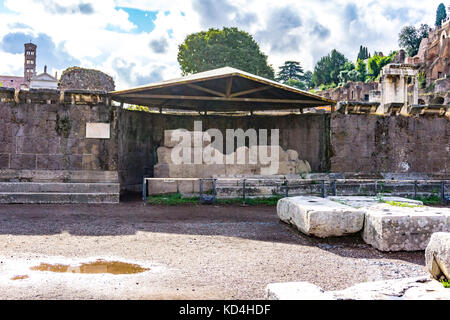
(352,91)
(140,135)
(369,143)
(43,136)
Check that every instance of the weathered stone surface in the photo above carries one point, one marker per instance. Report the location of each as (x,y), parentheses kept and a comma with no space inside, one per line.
(58,198)
(320,217)
(162,186)
(47,187)
(302,166)
(368,143)
(279,155)
(23,161)
(367,201)
(419,288)
(393,228)
(60,193)
(296,291)
(211,170)
(75,176)
(164,155)
(85,79)
(163,170)
(172,138)
(286,167)
(292,155)
(4,161)
(171,186)
(234,170)
(437,255)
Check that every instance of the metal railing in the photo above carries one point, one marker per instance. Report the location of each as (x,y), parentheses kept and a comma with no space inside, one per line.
(286,185)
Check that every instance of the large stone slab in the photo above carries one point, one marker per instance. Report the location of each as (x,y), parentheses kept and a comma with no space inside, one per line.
(419,288)
(437,255)
(320,217)
(393,228)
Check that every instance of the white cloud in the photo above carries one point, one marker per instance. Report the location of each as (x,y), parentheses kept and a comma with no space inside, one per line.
(102,37)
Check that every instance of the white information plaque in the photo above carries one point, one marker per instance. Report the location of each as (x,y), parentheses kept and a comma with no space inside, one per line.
(98,131)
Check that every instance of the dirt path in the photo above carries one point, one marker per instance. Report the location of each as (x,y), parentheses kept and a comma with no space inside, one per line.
(194,252)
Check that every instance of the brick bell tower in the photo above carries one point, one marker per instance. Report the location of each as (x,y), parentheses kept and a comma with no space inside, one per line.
(29,68)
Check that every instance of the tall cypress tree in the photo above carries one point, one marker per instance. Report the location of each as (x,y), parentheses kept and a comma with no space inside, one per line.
(441,14)
(363,53)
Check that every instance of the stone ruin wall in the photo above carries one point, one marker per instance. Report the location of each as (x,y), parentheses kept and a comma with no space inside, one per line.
(76,78)
(398,144)
(141,134)
(288,161)
(352,91)
(43,137)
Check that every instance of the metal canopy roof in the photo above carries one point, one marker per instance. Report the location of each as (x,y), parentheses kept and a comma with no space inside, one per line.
(224,89)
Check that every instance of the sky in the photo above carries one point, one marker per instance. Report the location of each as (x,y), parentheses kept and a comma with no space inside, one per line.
(136,41)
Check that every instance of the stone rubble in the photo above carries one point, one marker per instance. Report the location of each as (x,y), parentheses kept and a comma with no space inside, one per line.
(437,256)
(419,288)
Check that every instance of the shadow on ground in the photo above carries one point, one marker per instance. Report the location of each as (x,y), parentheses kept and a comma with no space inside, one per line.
(131,216)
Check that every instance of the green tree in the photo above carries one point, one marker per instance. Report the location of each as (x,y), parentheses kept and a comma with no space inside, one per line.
(346,74)
(207,50)
(376,63)
(361,68)
(328,69)
(290,70)
(441,14)
(308,79)
(363,53)
(410,38)
(296,83)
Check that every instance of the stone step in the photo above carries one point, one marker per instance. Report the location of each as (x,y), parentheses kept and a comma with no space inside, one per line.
(62,176)
(35,187)
(57,198)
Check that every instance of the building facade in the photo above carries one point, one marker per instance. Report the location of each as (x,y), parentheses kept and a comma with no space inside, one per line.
(44,81)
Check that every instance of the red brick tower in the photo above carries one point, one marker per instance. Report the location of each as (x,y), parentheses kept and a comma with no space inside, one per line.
(29,68)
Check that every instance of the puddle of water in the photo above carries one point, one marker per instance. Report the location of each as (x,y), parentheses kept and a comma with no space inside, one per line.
(99,266)
(20,277)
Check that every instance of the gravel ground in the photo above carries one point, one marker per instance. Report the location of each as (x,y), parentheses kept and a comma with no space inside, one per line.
(193,252)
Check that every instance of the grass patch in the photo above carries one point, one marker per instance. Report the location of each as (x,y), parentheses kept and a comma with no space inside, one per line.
(398,204)
(430,200)
(171,199)
(402,204)
(269,201)
(445,283)
(178,199)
